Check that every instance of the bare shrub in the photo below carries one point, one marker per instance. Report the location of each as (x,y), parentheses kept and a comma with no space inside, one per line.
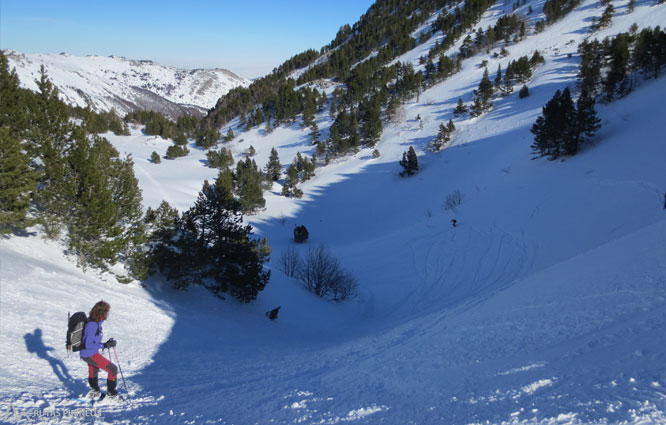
(323,275)
(400,115)
(453,199)
(290,262)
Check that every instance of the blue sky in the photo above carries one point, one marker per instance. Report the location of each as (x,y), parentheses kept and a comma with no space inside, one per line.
(249,37)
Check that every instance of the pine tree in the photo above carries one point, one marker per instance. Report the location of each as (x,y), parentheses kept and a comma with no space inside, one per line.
(587,120)
(606,17)
(616,78)
(308,169)
(309,109)
(461,109)
(485,91)
(104,220)
(230,135)
(556,130)
(224,183)
(392,109)
(13,116)
(451,126)
(249,189)
(443,137)
(274,168)
(371,127)
(333,110)
(17,183)
(208,138)
(524,92)
(47,140)
(409,162)
(589,74)
(314,133)
(477,107)
(498,77)
(214,243)
(289,188)
(175,151)
(155,158)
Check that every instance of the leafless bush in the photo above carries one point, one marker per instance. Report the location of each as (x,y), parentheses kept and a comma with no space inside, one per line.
(453,199)
(290,262)
(400,115)
(322,274)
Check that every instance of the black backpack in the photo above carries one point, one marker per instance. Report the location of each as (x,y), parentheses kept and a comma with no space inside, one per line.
(75,325)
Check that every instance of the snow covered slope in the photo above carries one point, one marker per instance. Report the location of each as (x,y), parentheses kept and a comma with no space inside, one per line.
(126,85)
(545,305)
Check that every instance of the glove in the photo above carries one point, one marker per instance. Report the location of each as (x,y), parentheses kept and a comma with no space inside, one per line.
(110,343)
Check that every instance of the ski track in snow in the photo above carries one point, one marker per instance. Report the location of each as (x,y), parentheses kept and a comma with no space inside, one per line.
(545,305)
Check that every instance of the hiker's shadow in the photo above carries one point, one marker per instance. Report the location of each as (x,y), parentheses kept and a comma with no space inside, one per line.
(35,344)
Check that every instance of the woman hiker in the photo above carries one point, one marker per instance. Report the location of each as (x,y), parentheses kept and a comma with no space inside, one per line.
(92,341)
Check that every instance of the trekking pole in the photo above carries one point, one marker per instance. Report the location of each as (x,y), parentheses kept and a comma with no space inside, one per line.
(121,372)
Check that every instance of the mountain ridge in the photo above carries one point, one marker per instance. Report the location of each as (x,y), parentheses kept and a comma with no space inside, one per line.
(116,82)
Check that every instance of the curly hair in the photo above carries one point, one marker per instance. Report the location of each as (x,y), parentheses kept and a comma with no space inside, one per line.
(100,309)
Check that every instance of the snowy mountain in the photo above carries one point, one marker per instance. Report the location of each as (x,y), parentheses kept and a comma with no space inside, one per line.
(115,82)
(546,304)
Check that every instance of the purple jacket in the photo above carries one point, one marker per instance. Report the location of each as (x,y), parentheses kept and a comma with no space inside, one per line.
(92,339)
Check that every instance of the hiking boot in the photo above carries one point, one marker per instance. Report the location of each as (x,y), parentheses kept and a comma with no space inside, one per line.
(111,387)
(94,385)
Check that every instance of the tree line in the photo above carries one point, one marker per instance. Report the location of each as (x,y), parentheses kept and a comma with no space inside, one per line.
(59,173)
(609,69)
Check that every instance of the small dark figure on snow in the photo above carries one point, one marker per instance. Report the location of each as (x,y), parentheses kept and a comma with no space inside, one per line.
(92,342)
(665,201)
(301,234)
(453,222)
(273,314)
